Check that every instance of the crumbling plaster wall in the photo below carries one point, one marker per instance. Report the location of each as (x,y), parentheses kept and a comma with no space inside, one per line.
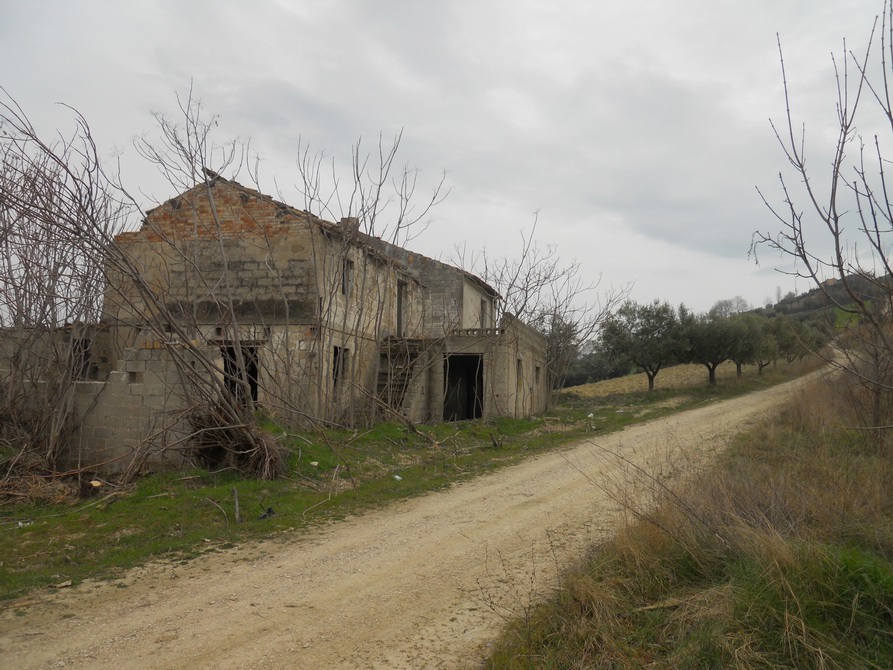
(520,382)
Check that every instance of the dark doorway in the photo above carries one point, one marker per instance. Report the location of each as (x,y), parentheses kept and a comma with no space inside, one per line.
(463,376)
(233,373)
(80,360)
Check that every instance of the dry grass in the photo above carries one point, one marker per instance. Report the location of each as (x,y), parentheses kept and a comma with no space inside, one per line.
(780,556)
(678,376)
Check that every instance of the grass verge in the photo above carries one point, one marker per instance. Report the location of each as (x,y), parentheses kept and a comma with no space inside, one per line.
(781,556)
(177,516)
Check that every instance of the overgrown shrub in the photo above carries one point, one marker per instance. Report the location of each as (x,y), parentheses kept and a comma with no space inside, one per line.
(219,442)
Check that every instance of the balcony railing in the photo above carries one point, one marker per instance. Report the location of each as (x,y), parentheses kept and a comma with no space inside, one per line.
(475,332)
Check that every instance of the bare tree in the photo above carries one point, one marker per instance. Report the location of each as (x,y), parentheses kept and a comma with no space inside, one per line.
(59,196)
(256,304)
(367,296)
(729,307)
(538,287)
(54,203)
(382,199)
(347,273)
(836,223)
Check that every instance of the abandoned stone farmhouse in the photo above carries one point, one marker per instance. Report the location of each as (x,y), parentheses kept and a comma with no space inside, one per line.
(304,319)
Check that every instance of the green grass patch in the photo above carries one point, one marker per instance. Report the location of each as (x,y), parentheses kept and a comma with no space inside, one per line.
(848,318)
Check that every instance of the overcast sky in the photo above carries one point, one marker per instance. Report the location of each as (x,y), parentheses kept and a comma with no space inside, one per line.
(637,129)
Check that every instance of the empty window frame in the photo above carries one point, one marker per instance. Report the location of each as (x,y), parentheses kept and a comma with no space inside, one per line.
(401,308)
(241,370)
(340,366)
(347,270)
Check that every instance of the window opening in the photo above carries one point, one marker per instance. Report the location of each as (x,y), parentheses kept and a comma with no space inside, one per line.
(340,357)
(347,277)
(401,309)
(519,387)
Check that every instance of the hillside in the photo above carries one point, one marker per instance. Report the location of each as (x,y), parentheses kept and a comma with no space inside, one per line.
(815,303)
(674,377)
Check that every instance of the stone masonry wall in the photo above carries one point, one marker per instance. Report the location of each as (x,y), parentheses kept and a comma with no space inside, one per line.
(443,291)
(259,248)
(520,382)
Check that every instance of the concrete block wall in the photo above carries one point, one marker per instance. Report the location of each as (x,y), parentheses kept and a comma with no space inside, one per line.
(526,393)
(279,257)
(442,288)
(136,414)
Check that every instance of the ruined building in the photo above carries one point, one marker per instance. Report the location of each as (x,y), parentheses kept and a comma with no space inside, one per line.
(307,320)
(225,294)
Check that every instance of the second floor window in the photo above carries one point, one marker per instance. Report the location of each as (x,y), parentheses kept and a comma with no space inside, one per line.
(347,277)
(485,313)
(401,309)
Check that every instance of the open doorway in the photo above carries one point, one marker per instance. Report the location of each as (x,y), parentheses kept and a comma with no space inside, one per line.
(233,374)
(463,376)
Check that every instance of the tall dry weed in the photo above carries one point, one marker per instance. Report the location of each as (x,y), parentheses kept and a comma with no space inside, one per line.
(779,556)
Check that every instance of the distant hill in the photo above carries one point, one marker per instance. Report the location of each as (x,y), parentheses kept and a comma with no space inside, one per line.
(818,303)
(815,308)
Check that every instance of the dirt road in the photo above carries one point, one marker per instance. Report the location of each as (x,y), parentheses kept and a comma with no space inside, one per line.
(424,583)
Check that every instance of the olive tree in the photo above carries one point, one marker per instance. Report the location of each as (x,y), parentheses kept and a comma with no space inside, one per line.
(708,341)
(646,334)
(749,340)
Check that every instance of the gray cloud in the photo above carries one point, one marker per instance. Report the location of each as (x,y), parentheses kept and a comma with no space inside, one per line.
(638,131)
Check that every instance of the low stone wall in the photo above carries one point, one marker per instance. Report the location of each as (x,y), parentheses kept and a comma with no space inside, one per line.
(136,417)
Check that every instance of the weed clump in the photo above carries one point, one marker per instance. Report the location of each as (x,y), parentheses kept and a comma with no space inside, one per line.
(220,443)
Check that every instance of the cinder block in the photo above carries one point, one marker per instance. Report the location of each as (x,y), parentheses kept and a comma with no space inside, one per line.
(156,389)
(102,433)
(117,378)
(156,402)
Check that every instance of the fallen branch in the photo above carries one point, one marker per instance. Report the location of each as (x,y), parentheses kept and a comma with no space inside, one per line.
(226,518)
(236,502)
